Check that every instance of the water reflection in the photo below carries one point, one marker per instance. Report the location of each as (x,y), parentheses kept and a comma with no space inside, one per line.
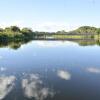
(54,43)
(1,57)
(93,70)
(33,88)
(47,43)
(64,74)
(2,69)
(13,44)
(61,72)
(6,85)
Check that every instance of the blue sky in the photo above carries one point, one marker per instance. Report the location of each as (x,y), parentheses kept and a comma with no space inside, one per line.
(50,15)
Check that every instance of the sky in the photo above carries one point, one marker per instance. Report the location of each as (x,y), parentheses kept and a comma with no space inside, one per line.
(50,15)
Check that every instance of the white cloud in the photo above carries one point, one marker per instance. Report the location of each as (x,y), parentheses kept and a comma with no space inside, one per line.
(52,26)
(7,24)
(41,26)
(93,70)
(6,85)
(32,87)
(64,74)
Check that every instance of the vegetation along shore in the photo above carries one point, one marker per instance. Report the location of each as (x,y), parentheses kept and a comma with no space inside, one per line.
(14,33)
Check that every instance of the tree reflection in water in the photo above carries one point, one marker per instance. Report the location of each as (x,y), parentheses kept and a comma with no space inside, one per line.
(17,44)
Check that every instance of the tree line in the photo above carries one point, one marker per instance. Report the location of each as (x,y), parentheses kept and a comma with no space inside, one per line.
(15,33)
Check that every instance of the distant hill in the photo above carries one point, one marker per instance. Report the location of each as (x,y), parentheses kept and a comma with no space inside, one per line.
(86,30)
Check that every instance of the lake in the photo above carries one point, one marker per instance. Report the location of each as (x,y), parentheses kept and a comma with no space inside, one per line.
(50,70)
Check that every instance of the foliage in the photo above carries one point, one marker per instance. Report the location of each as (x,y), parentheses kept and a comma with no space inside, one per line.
(14,33)
(86,30)
(98,31)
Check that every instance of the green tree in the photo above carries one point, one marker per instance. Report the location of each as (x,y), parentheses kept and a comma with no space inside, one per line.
(28,33)
(1,30)
(26,30)
(98,33)
(87,30)
(15,29)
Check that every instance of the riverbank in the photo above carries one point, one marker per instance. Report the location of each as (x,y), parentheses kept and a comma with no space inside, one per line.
(14,33)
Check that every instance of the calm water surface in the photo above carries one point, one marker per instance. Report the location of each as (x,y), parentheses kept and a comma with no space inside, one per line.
(50,70)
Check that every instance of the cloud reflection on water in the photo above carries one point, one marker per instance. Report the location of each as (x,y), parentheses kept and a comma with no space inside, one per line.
(2,69)
(54,43)
(1,57)
(6,85)
(93,70)
(64,74)
(33,88)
